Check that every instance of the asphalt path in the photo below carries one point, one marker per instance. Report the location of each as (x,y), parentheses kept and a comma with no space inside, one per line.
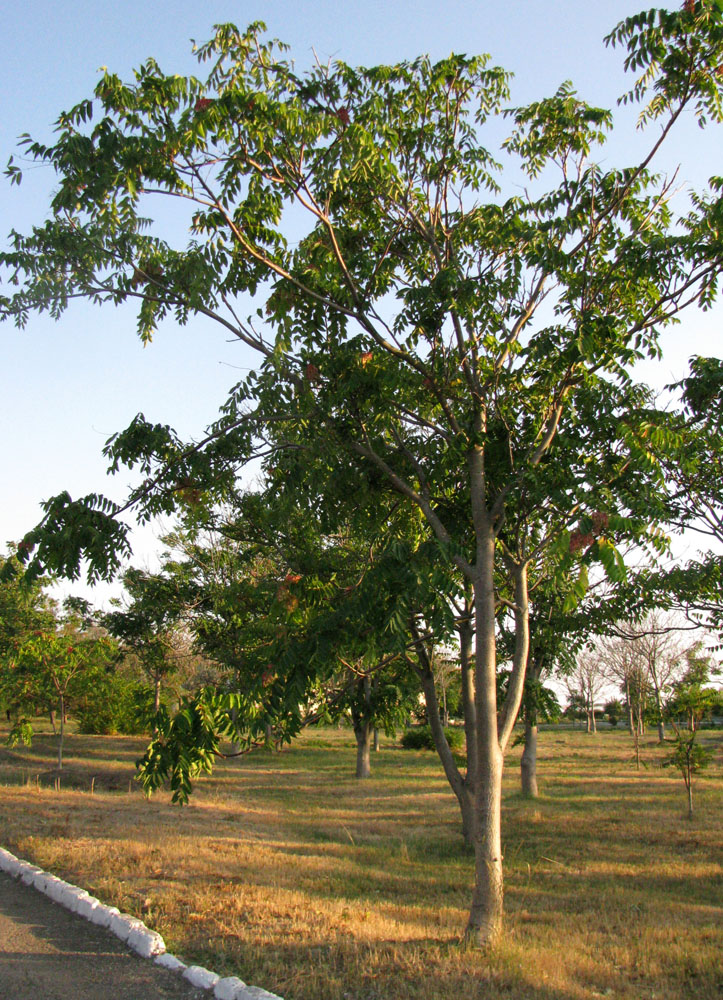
(49,953)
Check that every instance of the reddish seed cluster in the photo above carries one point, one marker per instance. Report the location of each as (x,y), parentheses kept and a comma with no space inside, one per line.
(600,522)
(312,372)
(343,116)
(292,578)
(268,675)
(202,103)
(366,358)
(689,6)
(579,540)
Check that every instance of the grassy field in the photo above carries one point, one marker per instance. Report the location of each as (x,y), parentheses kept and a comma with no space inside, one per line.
(288,872)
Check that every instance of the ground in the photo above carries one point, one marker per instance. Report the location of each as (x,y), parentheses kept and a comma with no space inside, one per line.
(290,873)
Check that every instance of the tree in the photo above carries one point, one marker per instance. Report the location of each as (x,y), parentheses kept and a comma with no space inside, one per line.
(55,666)
(586,683)
(454,348)
(24,609)
(303,611)
(150,625)
(690,699)
(644,657)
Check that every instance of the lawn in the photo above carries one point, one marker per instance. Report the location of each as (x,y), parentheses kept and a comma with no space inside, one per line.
(288,872)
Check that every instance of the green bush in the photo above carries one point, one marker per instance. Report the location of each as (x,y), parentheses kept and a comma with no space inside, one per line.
(420,738)
(119,705)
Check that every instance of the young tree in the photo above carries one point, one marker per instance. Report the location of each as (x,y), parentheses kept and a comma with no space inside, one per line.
(25,608)
(448,345)
(55,666)
(691,699)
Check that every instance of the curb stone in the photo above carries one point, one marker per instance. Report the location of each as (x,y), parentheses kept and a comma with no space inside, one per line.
(130,930)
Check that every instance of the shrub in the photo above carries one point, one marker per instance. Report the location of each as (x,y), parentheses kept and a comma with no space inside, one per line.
(420,738)
(119,705)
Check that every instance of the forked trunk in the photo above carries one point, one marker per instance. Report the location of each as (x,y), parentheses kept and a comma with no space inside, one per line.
(528,763)
(61,710)
(459,785)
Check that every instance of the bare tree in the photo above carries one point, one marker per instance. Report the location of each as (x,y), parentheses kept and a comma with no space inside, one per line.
(587,682)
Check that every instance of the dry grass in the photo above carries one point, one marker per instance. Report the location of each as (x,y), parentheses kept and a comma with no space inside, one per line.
(290,873)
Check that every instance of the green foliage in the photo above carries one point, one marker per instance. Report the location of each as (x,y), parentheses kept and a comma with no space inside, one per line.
(420,738)
(115,704)
(20,732)
(687,755)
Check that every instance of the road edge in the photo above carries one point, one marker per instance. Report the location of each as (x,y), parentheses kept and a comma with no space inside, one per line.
(129,929)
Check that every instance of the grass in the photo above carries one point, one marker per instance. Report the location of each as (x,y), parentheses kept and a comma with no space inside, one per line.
(288,872)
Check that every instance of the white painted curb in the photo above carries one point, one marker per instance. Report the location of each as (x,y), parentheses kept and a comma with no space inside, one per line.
(133,932)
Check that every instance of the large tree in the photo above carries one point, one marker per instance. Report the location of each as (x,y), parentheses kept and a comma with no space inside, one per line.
(461,345)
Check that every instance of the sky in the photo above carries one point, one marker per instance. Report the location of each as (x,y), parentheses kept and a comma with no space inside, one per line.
(68,385)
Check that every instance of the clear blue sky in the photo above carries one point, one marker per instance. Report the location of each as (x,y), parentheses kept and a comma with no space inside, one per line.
(67,386)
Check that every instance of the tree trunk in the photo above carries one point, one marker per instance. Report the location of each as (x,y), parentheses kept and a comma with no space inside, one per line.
(156,692)
(61,710)
(661,724)
(528,763)
(485,919)
(631,720)
(363,733)
(457,783)
(376,740)
(51,713)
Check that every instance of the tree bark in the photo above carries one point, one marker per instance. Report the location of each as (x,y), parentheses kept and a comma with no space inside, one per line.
(485,919)
(528,763)
(661,724)
(457,783)
(363,733)
(631,720)
(61,709)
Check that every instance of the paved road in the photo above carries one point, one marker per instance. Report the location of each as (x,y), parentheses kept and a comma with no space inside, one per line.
(48,953)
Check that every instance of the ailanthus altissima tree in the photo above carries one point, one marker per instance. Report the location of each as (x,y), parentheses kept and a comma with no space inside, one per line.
(468,350)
